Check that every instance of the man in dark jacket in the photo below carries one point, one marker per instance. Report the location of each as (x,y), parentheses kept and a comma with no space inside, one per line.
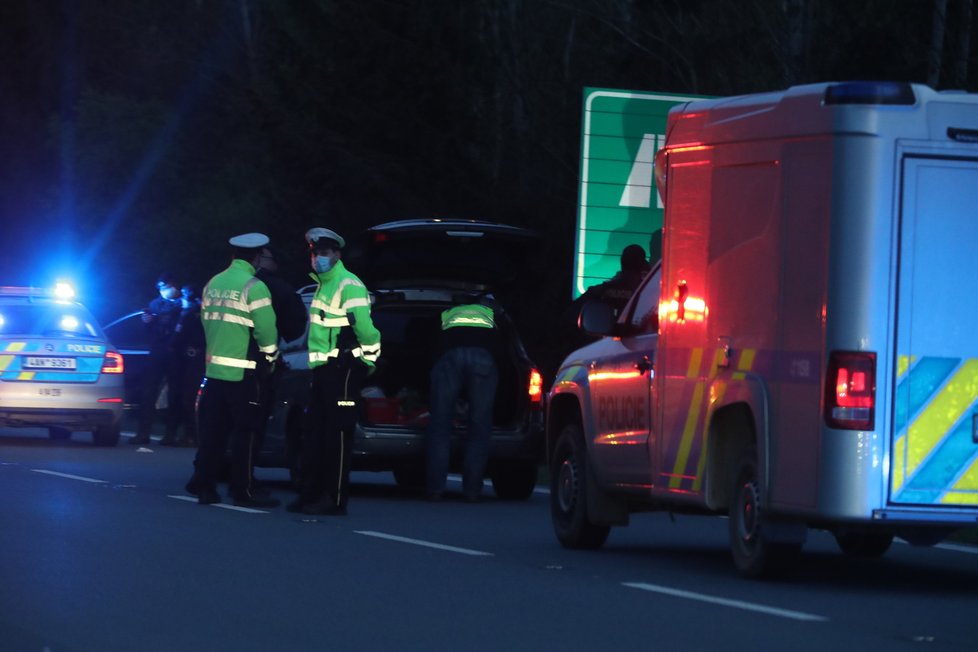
(163,363)
(291,317)
(465,365)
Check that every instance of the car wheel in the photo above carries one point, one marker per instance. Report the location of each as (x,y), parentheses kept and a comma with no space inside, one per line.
(568,493)
(106,435)
(514,481)
(59,433)
(864,544)
(753,554)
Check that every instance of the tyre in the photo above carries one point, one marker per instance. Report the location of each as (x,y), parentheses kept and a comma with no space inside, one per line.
(870,545)
(59,434)
(106,435)
(568,493)
(753,554)
(515,481)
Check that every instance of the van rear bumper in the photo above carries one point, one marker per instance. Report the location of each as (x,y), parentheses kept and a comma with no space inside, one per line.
(962,516)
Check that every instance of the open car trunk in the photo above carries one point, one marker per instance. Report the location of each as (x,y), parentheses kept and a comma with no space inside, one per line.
(397,393)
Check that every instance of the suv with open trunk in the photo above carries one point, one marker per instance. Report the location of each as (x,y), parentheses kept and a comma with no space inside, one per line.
(415,269)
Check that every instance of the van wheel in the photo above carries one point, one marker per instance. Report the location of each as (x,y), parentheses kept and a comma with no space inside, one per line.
(864,544)
(568,493)
(59,433)
(753,554)
(106,435)
(515,482)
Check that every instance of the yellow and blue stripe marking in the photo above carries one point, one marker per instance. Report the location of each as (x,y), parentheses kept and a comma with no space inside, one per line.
(935,457)
(88,365)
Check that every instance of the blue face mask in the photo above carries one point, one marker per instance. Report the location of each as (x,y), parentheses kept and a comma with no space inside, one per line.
(322,264)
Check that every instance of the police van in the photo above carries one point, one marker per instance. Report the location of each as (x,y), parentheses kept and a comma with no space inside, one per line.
(804,356)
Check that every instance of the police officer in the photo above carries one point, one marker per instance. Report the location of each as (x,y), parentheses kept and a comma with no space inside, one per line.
(163,362)
(190,346)
(241,343)
(465,363)
(343,348)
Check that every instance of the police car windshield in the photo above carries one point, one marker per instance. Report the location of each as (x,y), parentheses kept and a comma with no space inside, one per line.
(48,319)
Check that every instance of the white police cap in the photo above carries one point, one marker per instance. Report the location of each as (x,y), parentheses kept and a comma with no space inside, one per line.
(249,240)
(314,235)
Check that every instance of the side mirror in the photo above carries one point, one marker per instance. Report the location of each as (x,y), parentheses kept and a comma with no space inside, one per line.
(597,319)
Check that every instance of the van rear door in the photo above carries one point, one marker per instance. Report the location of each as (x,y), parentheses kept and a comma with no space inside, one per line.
(935,395)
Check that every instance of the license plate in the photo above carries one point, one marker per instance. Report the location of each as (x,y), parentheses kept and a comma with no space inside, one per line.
(38,362)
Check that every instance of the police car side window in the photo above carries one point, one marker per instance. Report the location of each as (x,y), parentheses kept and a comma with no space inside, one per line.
(645,311)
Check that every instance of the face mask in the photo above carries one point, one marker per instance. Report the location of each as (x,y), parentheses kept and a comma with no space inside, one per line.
(322,264)
(169,292)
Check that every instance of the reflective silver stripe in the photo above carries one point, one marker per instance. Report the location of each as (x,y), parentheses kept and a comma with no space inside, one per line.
(369,356)
(330,322)
(231,362)
(224,303)
(471,320)
(271,348)
(316,356)
(261,303)
(228,317)
(371,348)
(356,303)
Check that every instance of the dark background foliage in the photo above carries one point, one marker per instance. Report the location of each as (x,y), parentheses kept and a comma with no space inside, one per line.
(138,135)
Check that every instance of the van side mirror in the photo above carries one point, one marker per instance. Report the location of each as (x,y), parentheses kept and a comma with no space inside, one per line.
(597,319)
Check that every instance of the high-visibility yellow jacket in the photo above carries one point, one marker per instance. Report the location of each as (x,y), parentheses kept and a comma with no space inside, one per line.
(472,315)
(466,325)
(235,308)
(339,319)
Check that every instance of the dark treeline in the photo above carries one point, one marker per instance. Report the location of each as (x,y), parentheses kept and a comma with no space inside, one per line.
(139,134)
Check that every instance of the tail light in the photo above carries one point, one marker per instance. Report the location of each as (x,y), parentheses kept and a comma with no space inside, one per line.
(850,391)
(536,386)
(113,363)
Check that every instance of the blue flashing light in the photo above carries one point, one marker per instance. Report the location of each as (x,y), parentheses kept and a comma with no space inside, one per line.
(870,92)
(64,290)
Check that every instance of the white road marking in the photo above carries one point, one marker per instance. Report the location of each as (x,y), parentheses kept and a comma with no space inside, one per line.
(736,604)
(235,508)
(426,544)
(69,476)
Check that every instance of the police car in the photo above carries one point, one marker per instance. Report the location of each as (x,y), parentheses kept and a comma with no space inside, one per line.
(57,369)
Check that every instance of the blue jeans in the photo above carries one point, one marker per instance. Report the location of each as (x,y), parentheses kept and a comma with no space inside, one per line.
(472,371)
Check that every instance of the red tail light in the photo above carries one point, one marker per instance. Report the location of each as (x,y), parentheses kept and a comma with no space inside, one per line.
(536,386)
(850,391)
(113,363)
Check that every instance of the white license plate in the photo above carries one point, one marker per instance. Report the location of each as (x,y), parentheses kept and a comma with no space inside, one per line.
(38,362)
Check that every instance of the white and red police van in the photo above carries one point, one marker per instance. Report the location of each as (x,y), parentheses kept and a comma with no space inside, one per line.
(806,354)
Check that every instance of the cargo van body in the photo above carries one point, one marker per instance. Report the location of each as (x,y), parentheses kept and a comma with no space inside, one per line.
(804,356)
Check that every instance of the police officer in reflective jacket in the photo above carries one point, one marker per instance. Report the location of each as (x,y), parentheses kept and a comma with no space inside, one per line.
(469,347)
(241,343)
(344,346)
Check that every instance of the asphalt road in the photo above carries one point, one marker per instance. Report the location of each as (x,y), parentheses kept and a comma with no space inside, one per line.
(101,551)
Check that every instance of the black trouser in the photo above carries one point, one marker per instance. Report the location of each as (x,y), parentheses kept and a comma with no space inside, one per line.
(161,364)
(330,424)
(191,377)
(268,384)
(226,409)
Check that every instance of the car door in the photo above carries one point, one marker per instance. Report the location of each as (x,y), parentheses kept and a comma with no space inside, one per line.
(622,392)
